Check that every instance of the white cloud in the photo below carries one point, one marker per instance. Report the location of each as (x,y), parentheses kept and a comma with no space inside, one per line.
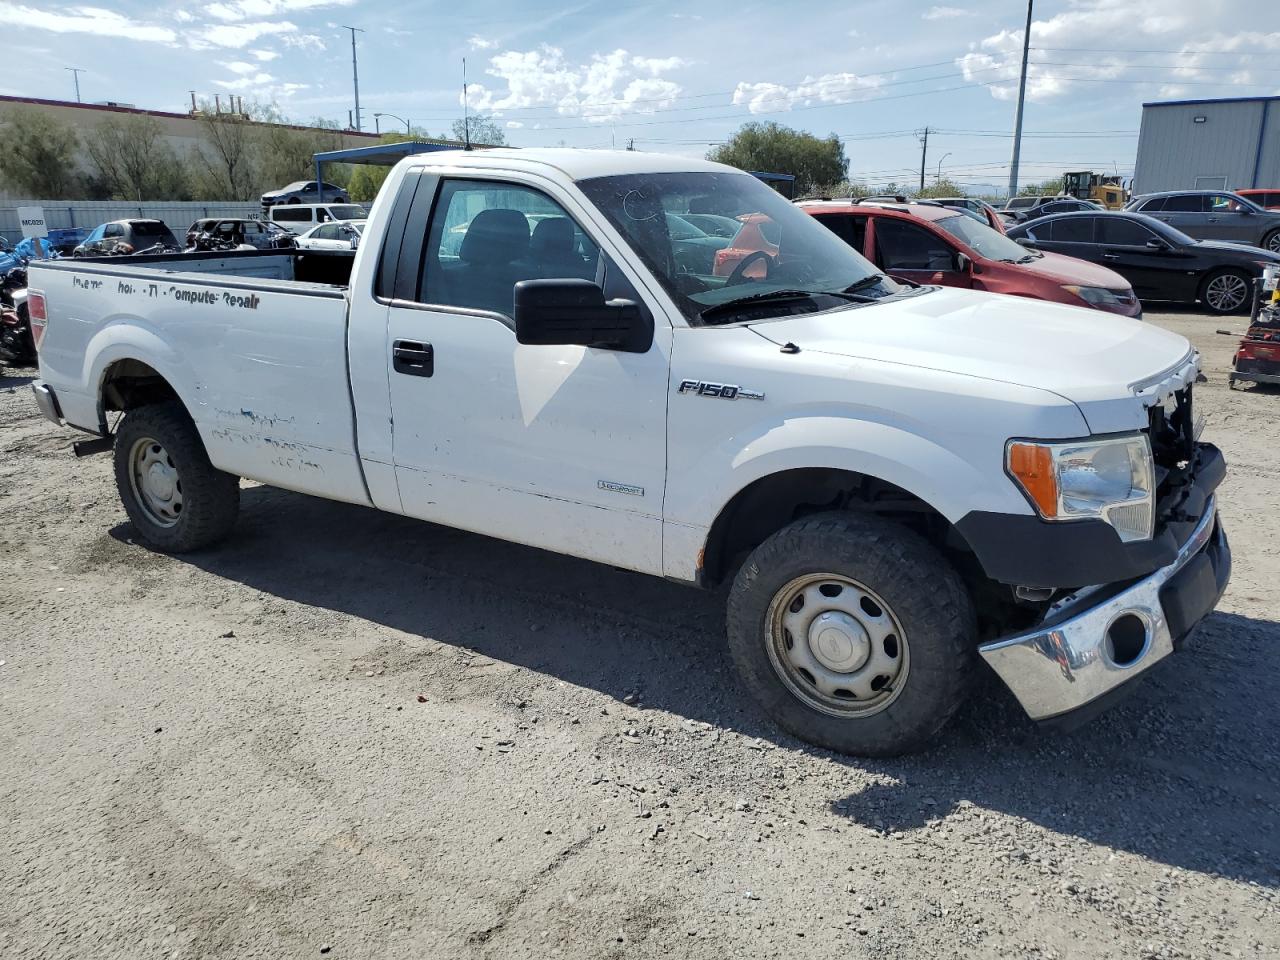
(246,81)
(514,124)
(182,16)
(94,20)
(303,41)
(599,89)
(828,88)
(264,56)
(480,43)
(242,68)
(945,13)
(233,11)
(242,34)
(1065,59)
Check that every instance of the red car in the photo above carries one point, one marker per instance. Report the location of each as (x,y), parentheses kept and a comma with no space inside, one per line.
(1270,199)
(936,245)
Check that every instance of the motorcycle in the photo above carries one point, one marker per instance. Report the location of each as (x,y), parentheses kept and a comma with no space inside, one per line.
(16,345)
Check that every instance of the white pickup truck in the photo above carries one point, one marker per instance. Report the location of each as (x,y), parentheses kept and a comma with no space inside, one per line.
(899,482)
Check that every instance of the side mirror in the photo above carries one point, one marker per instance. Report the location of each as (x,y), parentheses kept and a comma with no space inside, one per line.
(963,263)
(570,311)
(1157,245)
(1026,242)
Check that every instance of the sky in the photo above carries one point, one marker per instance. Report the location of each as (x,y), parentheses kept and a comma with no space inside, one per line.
(679,77)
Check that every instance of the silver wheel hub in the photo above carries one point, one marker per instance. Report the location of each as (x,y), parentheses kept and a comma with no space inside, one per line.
(839,642)
(157,487)
(1227,292)
(836,645)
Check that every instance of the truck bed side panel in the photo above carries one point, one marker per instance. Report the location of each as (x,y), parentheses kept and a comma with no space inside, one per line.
(260,365)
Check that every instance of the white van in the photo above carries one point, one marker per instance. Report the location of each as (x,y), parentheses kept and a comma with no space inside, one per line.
(303,216)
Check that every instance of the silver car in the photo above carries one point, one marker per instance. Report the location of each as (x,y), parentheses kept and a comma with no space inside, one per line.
(1212,215)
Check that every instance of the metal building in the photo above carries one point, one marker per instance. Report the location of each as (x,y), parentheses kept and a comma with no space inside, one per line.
(1230,144)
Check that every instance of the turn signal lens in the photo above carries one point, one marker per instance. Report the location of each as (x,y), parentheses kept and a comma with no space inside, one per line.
(1032,466)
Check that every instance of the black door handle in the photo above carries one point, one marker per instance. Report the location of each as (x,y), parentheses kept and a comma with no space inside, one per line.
(413,358)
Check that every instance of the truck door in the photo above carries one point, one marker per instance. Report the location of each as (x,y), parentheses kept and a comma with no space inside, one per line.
(562,447)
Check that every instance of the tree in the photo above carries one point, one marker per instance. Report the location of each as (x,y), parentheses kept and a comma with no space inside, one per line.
(773,148)
(134,160)
(366,179)
(286,153)
(944,187)
(1049,188)
(224,159)
(38,157)
(484,131)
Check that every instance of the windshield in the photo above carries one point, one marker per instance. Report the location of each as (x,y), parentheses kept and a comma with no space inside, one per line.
(779,261)
(347,211)
(982,240)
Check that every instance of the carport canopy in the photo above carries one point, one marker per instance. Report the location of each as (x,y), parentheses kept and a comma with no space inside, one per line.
(380,154)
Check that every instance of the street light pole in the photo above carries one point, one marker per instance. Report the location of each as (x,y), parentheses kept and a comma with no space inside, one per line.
(944,156)
(75,72)
(355,72)
(1017,117)
(407,131)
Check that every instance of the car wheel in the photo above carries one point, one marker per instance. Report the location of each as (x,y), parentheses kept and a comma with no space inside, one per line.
(1225,291)
(294,200)
(853,633)
(178,500)
(1272,241)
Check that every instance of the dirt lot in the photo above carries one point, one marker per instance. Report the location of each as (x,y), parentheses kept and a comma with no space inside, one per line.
(357,735)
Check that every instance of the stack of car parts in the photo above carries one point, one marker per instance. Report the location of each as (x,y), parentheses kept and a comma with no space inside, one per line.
(1258,357)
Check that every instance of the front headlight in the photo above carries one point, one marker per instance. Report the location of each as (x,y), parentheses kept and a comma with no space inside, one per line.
(1096,296)
(1111,480)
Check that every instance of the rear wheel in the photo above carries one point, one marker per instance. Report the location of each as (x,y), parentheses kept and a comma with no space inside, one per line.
(853,633)
(178,501)
(1225,291)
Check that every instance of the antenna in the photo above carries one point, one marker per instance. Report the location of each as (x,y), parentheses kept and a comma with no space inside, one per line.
(75,72)
(466,116)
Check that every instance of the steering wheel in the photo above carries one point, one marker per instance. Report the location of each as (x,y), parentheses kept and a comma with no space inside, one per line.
(739,274)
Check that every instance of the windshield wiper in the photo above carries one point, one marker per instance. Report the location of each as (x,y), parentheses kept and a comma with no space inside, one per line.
(865,282)
(776,296)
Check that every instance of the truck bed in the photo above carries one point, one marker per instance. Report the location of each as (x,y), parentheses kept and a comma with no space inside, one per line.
(257,352)
(323,268)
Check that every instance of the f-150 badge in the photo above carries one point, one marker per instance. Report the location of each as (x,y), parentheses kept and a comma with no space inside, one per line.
(725,391)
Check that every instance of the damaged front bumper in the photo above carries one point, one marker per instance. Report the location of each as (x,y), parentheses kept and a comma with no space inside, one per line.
(1100,639)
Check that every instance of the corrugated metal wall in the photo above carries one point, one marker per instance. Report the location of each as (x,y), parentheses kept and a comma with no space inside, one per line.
(90,213)
(1177,153)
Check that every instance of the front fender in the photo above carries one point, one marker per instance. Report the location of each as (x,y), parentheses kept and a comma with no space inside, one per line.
(948,482)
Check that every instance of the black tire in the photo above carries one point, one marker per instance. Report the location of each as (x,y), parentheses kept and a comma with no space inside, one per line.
(1272,241)
(210,499)
(1224,275)
(920,588)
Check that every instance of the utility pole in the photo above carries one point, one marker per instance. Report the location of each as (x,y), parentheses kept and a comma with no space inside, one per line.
(944,156)
(75,72)
(924,153)
(1017,117)
(466,110)
(355,72)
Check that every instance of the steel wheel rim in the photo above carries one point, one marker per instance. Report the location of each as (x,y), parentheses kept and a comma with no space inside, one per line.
(1274,243)
(153,476)
(837,646)
(1227,292)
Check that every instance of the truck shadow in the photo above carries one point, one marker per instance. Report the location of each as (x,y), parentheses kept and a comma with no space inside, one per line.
(1183,772)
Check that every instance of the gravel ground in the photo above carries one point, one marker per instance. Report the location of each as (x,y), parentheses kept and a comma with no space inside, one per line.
(357,735)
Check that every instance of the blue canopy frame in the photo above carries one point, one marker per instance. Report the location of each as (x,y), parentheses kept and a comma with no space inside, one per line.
(379,154)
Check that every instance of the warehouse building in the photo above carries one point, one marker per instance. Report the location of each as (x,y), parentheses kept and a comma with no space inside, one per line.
(1228,144)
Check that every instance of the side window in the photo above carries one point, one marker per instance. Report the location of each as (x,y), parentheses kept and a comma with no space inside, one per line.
(904,246)
(1121,232)
(852,230)
(1154,205)
(290,216)
(1074,230)
(1183,203)
(328,232)
(484,237)
(1223,203)
(309,188)
(113,230)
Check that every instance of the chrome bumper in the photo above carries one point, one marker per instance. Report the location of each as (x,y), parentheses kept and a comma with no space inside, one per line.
(47,401)
(1088,648)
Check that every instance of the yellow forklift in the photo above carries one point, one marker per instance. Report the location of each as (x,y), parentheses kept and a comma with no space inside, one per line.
(1102,188)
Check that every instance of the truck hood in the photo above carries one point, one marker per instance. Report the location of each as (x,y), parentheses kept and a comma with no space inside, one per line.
(1111,367)
(1062,269)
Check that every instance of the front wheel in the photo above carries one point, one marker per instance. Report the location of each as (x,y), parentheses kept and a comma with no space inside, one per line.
(1272,241)
(853,633)
(1225,291)
(178,500)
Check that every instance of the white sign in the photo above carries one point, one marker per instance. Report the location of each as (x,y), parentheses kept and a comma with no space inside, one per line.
(32,220)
